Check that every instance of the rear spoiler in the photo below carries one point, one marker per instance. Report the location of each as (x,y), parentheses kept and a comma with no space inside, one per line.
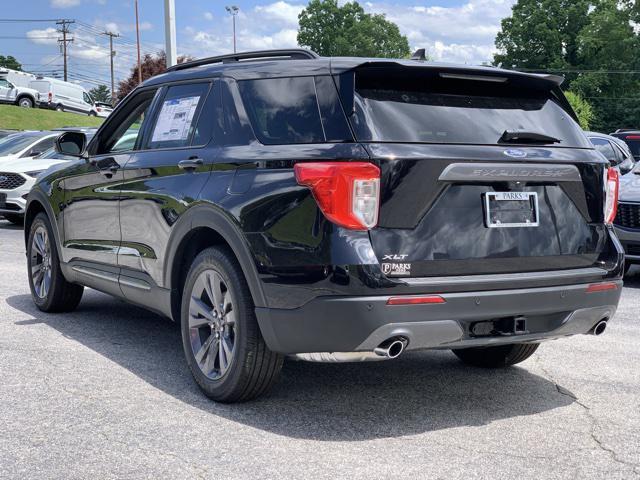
(344,70)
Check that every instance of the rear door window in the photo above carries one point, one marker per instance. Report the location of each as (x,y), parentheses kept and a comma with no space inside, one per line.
(177,116)
(399,105)
(283,110)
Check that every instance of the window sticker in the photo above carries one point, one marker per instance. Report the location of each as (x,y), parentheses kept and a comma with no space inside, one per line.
(174,120)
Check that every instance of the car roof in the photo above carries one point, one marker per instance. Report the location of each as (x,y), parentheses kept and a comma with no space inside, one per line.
(615,140)
(300,62)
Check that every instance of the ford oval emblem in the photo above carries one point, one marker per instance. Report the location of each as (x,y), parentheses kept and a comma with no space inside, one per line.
(515,153)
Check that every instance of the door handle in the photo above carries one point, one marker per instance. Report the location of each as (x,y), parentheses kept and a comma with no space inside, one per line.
(190,164)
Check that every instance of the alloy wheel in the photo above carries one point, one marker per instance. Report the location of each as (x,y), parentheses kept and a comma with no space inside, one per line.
(40,262)
(212,324)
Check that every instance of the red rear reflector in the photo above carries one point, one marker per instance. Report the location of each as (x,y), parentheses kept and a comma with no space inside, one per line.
(416,300)
(600,287)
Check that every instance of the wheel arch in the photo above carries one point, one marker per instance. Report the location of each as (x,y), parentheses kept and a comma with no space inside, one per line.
(27,95)
(201,227)
(37,202)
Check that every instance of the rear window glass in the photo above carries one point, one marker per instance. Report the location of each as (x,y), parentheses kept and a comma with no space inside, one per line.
(422,107)
(283,110)
(634,145)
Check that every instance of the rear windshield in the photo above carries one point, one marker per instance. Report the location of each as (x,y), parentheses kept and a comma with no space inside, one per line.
(634,145)
(423,107)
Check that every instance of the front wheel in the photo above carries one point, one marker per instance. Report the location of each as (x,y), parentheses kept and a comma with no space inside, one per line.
(222,342)
(25,102)
(50,291)
(498,356)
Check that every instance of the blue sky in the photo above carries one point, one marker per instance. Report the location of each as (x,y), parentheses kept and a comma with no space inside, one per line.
(450,30)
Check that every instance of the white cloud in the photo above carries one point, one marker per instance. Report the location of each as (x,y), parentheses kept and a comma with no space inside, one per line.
(208,16)
(47,36)
(64,3)
(464,33)
(280,11)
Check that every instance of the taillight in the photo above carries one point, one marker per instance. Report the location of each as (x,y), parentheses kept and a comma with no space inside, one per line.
(612,188)
(50,96)
(348,193)
(632,137)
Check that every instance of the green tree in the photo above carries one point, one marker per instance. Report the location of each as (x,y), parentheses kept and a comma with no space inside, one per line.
(333,30)
(592,43)
(101,93)
(583,109)
(10,62)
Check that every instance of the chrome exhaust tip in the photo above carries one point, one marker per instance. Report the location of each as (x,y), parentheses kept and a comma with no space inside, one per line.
(600,327)
(391,348)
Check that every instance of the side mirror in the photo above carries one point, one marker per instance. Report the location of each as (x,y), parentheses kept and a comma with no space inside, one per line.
(71,143)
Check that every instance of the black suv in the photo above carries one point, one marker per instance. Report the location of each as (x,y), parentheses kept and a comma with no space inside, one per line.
(334,209)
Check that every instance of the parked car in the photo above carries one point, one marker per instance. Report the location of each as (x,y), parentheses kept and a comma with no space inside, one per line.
(631,138)
(103,109)
(18,174)
(614,150)
(627,222)
(25,144)
(346,209)
(5,133)
(14,95)
(63,96)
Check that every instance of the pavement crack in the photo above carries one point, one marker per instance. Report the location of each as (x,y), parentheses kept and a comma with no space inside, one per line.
(593,421)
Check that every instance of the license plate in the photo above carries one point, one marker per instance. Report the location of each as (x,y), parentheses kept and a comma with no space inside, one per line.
(3,200)
(511,209)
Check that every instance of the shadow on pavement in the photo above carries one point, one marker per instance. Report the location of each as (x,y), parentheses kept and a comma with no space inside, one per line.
(7,225)
(347,402)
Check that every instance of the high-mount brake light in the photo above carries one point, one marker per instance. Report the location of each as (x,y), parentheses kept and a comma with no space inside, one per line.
(612,189)
(348,193)
(632,137)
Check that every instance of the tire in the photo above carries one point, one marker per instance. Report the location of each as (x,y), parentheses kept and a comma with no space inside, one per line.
(14,218)
(25,102)
(58,295)
(498,356)
(59,108)
(92,113)
(245,369)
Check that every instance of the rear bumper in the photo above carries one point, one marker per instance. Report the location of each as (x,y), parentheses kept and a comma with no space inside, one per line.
(349,324)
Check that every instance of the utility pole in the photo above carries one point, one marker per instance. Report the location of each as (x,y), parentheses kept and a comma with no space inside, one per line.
(233,11)
(64,29)
(138,43)
(112,53)
(170,32)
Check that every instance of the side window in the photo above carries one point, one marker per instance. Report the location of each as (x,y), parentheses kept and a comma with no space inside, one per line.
(4,83)
(605,148)
(40,147)
(121,132)
(86,97)
(177,116)
(283,110)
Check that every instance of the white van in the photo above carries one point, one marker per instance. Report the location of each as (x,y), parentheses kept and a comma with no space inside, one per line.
(63,96)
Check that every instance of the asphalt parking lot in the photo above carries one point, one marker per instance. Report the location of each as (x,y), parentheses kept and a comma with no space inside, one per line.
(104,392)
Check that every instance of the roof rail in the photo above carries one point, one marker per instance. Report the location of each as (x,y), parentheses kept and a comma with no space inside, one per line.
(624,130)
(289,54)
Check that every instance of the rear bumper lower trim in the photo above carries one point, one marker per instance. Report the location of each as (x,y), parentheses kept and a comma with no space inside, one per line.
(347,324)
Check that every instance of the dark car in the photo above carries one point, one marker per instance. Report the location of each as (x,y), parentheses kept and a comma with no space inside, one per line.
(335,209)
(627,221)
(631,138)
(614,150)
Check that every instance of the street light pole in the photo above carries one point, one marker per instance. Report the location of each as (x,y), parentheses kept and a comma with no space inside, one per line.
(170,31)
(233,11)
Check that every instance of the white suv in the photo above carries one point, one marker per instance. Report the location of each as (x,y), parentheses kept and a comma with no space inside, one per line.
(19,169)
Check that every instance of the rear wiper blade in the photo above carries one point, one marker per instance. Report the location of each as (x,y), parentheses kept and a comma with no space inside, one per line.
(520,136)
